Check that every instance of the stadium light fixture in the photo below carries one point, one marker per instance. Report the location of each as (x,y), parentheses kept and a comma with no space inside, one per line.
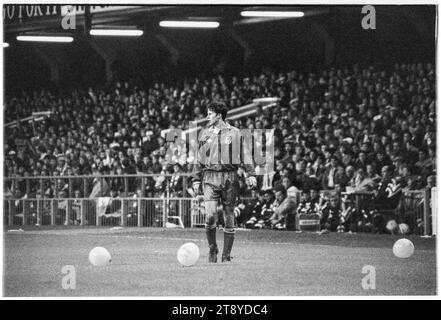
(45,38)
(117,32)
(5,44)
(272,14)
(189,24)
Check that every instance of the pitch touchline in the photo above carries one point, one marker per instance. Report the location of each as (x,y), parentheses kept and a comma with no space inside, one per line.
(166,238)
(191,239)
(140,237)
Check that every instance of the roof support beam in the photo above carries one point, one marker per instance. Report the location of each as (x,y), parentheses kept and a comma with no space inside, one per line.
(108,55)
(51,63)
(328,41)
(247,49)
(169,46)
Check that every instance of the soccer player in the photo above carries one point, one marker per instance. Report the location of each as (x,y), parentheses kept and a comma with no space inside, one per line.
(221,152)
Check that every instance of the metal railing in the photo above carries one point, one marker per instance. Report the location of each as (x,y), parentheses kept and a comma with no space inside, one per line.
(102,211)
(98,185)
(414,208)
(89,186)
(155,200)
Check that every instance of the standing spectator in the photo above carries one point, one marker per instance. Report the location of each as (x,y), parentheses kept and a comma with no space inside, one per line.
(330,174)
(176,182)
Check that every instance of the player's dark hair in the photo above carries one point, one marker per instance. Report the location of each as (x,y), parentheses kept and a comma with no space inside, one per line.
(218,108)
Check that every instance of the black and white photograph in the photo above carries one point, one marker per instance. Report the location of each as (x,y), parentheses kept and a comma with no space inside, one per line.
(160,150)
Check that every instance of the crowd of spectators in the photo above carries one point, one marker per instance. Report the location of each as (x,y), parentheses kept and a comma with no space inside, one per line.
(334,130)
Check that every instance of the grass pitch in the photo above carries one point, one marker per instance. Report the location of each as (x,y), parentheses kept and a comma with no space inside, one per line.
(265,263)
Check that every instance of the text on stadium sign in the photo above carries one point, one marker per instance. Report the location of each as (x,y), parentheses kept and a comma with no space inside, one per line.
(20,12)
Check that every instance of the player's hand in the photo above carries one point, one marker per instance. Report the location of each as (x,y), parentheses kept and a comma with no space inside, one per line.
(252,182)
(196,186)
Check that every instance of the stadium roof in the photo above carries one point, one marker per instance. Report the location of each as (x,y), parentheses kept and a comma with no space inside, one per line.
(47,18)
(324,35)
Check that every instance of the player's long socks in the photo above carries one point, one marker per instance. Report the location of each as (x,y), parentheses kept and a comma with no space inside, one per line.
(228,245)
(211,238)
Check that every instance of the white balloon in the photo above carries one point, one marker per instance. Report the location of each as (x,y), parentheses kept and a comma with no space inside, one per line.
(188,254)
(99,256)
(403,248)
(403,228)
(391,225)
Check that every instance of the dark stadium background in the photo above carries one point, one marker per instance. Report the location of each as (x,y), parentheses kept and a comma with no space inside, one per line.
(403,33)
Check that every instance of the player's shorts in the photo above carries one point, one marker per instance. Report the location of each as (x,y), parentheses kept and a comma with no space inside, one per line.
(222,186)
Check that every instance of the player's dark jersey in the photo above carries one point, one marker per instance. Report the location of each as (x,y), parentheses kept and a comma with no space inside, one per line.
(222,149)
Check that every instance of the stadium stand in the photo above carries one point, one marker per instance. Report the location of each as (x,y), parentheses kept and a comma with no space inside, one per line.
(365,116)
(334,130)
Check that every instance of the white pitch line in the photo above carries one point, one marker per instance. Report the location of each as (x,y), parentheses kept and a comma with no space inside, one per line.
(203,240)
(143,237)
(115,234)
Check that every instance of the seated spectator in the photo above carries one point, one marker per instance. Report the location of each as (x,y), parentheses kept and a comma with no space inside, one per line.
(386,198)
(372,174)
(310,202)
(331,215)
(387,195)
(350,173)
(423,161)
(311,181)
(260,219)
(291,190)
(341,178)
(431,182)
(284,210)
(244,211)
(308,212)
(316,201)
(255,210)
(361,182)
